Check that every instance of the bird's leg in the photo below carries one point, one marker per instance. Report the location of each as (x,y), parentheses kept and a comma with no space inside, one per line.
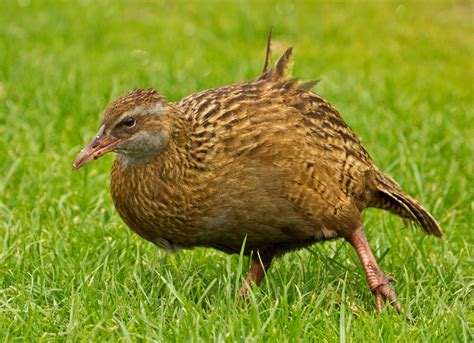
(379,283)
(257,272)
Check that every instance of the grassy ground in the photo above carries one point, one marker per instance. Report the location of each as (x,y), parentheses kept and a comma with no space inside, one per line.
(402,76)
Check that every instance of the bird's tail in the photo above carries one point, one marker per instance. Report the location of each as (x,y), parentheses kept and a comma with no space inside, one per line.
(392,198)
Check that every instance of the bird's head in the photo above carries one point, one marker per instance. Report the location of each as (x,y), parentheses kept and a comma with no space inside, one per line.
(136,126)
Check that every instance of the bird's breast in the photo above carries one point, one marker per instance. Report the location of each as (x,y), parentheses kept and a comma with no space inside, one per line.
(155,207)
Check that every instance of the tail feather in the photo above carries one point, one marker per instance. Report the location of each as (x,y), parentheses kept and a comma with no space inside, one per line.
(392,198)
(282,68)
(281,71)
(268,55)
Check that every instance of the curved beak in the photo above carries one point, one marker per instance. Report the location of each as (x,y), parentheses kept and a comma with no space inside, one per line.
(98,146)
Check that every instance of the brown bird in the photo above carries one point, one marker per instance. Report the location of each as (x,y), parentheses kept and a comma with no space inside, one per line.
(266,162)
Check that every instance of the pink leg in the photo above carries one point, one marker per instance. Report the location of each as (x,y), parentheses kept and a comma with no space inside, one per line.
(379,283)
(257,272)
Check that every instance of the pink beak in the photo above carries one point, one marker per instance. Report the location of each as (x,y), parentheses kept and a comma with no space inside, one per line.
(98,146)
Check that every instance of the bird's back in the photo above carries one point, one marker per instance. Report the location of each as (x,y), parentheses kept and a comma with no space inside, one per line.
(278,122)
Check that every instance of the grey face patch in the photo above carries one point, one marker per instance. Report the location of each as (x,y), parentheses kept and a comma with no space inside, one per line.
(142,147)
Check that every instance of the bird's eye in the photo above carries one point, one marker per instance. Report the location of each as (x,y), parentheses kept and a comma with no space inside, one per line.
(129,122)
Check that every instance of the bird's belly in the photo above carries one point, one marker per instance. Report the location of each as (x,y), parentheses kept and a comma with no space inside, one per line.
(230,225)
(261,225)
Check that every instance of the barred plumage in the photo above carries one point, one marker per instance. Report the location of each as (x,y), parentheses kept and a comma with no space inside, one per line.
(267,161)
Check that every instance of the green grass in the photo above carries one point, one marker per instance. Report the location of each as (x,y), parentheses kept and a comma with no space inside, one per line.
(401,75)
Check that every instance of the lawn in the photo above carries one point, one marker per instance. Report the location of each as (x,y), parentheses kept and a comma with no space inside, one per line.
(402,76)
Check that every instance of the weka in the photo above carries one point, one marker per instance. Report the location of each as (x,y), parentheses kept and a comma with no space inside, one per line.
(265,162)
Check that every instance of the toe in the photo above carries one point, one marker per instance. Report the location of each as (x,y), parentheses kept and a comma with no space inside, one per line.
(244,289)
(379,301)
(385,293)
(394,301)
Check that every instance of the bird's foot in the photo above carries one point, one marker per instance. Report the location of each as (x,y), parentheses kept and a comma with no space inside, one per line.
(384,291)
(257,273)
(246,287)
(379,283)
